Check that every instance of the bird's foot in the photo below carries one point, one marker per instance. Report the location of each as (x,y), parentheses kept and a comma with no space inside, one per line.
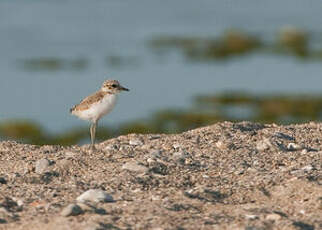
(92,148)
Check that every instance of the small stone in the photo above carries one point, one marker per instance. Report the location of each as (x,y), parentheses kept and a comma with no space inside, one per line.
(95,195)
(70,154)
(180,155)
(3,210)
(136,142)
(220,144)
(42,166)
(110,147)
(263,145)
(85,207)
(154,197)
(153,137)
(72,210)
(3,181)
(251,217)
(308,168)
(18,201)
(150,160)
(273,217)
(176,146)
(293,147)
(156,154)
(92,227)
(304,151)
(134,167)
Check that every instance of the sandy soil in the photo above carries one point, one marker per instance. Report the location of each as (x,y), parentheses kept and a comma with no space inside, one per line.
(225,176)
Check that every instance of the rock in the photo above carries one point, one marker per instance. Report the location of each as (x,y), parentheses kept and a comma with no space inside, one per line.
(18,201)
(251,217)
(3,181)
(304,151)
(273,217)
(176,146)
(293,147)
(135,142)
(150,160)
(153,137)
(134,167)
(42,166)
(95,195)
(220,145)
(180,157)
(86,207)
(72,210)
(307,168)
(156,153)
(110,147)
(263,145)
(70,154)
(93,227)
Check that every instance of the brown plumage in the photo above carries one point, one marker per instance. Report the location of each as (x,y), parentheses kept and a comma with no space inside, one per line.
(88,101)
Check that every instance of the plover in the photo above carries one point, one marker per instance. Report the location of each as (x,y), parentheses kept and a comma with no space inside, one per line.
(100,103)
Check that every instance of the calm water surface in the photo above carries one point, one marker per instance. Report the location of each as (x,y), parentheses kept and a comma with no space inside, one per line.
(94,30)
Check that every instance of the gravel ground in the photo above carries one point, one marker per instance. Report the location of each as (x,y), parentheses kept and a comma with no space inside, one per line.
(225,176)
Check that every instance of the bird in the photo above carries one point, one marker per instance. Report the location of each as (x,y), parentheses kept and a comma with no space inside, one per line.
(98,104)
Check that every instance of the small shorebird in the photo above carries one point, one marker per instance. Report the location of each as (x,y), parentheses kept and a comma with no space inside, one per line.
(95,106)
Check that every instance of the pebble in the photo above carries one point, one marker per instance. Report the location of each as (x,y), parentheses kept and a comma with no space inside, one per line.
(220,145)
(71,210)
(263,145)
(135,142)
(180,155)
(85,207)
(92,227)
(153,137)
(307,168)
(95,195)
(150,160)
(293,147)
(110,147)
(3,181)
(273,217)
(251,217)
(304,151)
(18,201)
(156,153)
(176,146)
(70,154)
(134,167)
(42,166)
(3,210)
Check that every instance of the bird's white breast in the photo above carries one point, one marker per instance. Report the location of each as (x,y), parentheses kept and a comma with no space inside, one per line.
(99,109)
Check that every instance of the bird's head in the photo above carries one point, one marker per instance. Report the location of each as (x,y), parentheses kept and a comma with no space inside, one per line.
(112,86)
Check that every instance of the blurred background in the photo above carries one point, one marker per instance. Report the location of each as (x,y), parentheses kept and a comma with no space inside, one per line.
(188,64)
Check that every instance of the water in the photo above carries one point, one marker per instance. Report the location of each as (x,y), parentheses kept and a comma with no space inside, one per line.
(95,30)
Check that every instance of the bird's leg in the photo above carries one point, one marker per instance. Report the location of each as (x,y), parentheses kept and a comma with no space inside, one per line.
(93,133)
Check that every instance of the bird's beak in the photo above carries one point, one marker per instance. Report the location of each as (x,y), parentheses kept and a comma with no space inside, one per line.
(123,88)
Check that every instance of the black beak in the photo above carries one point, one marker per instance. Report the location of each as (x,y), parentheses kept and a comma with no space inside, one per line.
(123,88)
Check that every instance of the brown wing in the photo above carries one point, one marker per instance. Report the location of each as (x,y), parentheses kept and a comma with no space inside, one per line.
(88,101)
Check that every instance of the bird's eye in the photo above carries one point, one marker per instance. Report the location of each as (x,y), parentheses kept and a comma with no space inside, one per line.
(114,85)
